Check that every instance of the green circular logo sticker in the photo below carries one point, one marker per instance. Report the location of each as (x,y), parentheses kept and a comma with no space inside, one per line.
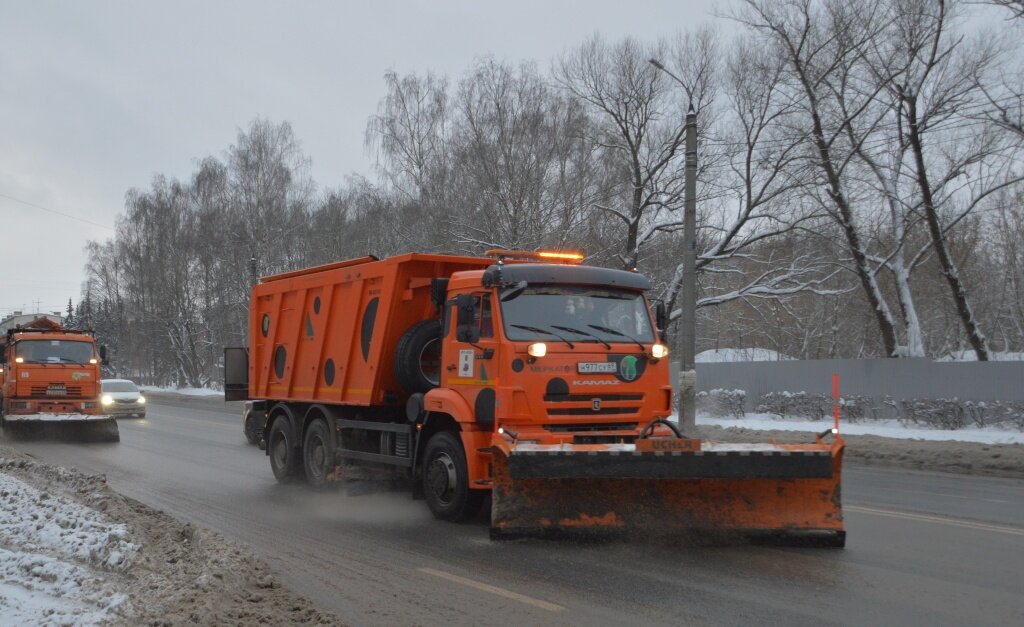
(628,368)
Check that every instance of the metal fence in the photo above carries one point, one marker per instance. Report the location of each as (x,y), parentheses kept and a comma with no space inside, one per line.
(900,379)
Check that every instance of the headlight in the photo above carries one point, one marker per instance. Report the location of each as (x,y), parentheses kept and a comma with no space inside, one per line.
(142,399)
(538,349)
(107,399)
(19,360)
(659,351)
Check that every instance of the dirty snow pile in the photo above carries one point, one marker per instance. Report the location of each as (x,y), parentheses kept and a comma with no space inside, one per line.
(75,552)
(60,561)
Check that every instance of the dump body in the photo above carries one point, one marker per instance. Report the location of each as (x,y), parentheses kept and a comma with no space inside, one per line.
(543,383)
(51,384)
(329,334)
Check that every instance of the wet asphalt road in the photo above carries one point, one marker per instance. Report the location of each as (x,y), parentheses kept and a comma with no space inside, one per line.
(923,548)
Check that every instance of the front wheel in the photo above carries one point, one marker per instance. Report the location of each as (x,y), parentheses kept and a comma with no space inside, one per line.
(446,479)
(284,458)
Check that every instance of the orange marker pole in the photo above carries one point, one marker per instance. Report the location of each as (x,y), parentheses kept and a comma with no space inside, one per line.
(835,397)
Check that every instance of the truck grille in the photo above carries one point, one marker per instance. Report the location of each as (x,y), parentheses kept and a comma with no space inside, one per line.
(592,426)
(590,411)
(577,398)
(50,391)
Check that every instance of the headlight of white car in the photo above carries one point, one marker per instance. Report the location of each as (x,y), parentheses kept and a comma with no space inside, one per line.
(107,399)
(142,399)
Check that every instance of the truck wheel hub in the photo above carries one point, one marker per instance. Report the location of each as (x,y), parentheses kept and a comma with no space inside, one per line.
(441,477)
(430,362)
(280,451)
(316,455)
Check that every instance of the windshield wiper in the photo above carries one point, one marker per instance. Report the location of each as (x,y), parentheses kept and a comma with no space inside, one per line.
(578,331)
(68,359)
(544,331)
(618,333)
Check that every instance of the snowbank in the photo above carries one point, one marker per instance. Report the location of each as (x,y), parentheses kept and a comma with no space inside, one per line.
(972,356)
(74,552)
(882,428)
(183,391)
(58,559)
(722,355)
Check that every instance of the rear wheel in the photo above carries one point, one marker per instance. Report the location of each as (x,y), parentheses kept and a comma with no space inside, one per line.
(250,428)
(318,453)
(446,479)
(284,458)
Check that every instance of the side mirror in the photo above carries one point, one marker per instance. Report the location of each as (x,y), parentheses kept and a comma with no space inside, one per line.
(466,329)
(103,354)
(660,315)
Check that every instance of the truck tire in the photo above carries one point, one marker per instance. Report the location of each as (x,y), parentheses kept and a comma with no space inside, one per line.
(446,479)
(249,426)
(418,357)
(318,453)
(285,459)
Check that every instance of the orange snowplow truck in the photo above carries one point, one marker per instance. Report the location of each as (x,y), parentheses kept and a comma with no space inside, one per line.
(50,379)
(522,375)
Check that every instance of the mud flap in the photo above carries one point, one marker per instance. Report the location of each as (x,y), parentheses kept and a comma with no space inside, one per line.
(72,428)
(772,492)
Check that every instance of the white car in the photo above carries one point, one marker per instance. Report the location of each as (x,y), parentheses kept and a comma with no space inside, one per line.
(121,397)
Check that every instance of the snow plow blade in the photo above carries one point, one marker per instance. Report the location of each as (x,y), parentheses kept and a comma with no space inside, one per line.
(787,493)
(62,427)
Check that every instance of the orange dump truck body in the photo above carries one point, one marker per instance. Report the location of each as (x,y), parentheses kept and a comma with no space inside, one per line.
(543,384)
(328,334)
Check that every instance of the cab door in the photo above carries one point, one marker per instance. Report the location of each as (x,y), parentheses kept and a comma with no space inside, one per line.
(470,354)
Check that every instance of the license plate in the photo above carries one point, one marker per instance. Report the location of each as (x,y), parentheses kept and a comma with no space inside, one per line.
(597,367)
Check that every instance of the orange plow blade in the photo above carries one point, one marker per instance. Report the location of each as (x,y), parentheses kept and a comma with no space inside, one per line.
(782,491)
(61,427)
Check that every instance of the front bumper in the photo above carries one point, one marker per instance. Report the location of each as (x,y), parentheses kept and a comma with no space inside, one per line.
(124,409)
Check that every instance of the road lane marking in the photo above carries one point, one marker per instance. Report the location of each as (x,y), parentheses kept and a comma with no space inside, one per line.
(502,592)
(954,522)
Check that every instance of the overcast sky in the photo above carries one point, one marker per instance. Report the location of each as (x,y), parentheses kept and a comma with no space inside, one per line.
(97,97)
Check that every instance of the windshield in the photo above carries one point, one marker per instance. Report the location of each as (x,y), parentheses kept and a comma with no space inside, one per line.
(119,386)
(54,351)
(580,314)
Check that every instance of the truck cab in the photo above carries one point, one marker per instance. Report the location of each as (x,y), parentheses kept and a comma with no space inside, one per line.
(546,353)
(50,370)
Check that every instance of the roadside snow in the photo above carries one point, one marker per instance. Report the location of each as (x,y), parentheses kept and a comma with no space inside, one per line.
(970,355)
(883,428)
(739,354)
(183,391)
(57,558)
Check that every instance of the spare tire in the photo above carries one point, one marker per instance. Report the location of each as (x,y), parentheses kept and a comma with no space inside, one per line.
(418,357)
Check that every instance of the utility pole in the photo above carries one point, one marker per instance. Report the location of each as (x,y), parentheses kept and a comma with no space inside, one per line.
(688,296)
(688,319)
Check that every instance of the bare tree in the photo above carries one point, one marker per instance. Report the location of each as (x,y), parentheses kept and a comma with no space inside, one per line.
(640,131)
(515,150)
(934,77)
(822,44)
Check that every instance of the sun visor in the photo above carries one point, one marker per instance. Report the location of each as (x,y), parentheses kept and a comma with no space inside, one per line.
(535,273)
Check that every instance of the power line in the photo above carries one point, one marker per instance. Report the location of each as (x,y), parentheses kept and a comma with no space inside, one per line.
(54,211)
